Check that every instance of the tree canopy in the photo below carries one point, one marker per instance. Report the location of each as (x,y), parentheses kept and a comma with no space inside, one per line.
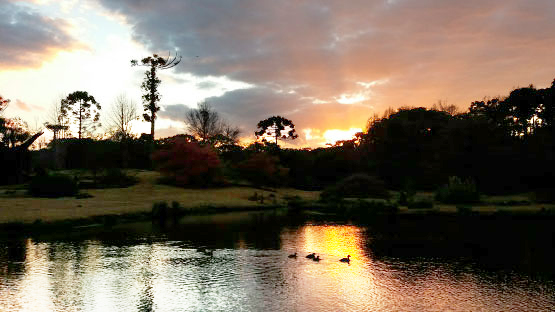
(206,124)
(120,117)
(13,131)
(3,103)
(522,113)
(274,127)
(84,109)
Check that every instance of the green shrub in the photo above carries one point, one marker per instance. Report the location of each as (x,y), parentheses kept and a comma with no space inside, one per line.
(365,208)
(422,203)
(53,185)
(458,191)
(407,193)
(545,196)
(116,177)
(358,185)
(511,202)
(464,210)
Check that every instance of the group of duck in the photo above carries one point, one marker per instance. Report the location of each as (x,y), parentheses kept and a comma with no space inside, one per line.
(314,257)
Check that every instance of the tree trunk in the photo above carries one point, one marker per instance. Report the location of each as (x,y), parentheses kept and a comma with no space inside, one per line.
(152,126)
(80,119)
(152,99)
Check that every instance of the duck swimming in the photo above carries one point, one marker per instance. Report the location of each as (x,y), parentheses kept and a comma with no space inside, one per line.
(293,255)
(316,258)
(348,259)
(311,256)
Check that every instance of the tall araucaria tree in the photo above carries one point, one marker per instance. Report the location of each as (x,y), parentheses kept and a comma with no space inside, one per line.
(273,128)
(150,84)
(84,109)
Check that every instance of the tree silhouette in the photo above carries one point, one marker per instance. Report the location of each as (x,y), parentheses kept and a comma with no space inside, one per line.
(442,106)
(274,126)
(520,114)
(56,128)
(14,131)
(57,122)
(122,114)
(206,124)
(150,84)
(83,107)
(3,103)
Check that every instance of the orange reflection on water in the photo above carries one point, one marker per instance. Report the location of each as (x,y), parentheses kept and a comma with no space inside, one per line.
(353,284)
(333,241)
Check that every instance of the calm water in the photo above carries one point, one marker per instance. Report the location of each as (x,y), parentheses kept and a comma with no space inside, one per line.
(238,262)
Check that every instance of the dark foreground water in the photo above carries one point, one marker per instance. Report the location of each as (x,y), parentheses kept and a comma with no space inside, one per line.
(238,262)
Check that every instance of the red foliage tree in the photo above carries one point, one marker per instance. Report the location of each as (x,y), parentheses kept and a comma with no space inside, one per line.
(188,164)
(263,169)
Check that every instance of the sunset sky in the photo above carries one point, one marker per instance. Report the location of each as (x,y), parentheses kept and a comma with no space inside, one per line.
(326,65)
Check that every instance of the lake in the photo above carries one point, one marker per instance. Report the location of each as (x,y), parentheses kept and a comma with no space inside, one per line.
(239,262)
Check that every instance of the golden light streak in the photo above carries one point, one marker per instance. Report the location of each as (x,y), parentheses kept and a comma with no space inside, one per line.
(333,135)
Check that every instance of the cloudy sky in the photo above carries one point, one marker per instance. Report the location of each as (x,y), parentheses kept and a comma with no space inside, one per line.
(327,65)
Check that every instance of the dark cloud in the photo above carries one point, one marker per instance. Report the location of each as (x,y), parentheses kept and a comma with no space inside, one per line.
(175,112)
(246,107)
(426,50)
(27,39)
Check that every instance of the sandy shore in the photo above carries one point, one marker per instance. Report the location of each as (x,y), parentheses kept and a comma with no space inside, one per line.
(135,199)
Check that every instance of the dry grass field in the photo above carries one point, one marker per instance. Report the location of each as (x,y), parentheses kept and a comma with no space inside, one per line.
(19,207)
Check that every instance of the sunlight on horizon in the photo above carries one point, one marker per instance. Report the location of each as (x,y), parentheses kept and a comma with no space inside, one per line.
(333,135)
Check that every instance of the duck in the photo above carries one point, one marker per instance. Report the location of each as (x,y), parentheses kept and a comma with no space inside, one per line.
(348,259)
(311,256)
(316,258)
(208,252)
(293,255)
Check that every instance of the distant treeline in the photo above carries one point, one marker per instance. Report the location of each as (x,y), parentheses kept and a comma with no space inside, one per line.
(503,144)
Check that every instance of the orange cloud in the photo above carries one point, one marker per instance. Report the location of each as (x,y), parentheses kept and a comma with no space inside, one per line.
(28,39)
(27,107)
(306,58)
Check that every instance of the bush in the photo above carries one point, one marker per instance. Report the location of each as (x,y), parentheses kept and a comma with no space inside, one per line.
(188,164)
(464,210)
(263,169)
(458,191)
(53,185)
(116,177)
(365,208)
(356,186)
(545,196)
(423,203)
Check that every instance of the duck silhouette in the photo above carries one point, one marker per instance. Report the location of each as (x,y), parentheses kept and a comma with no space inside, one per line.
(348,259)
(311,256)
(316,258)
(293,255)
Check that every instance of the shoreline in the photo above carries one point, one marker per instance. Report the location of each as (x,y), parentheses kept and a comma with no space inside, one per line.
(139,199)
(112,206)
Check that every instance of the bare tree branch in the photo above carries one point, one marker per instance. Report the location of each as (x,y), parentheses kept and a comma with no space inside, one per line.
(123,112)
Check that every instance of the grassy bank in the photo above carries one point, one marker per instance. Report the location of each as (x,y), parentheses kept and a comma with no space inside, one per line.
(136,202)
(18,207)
(515,206)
